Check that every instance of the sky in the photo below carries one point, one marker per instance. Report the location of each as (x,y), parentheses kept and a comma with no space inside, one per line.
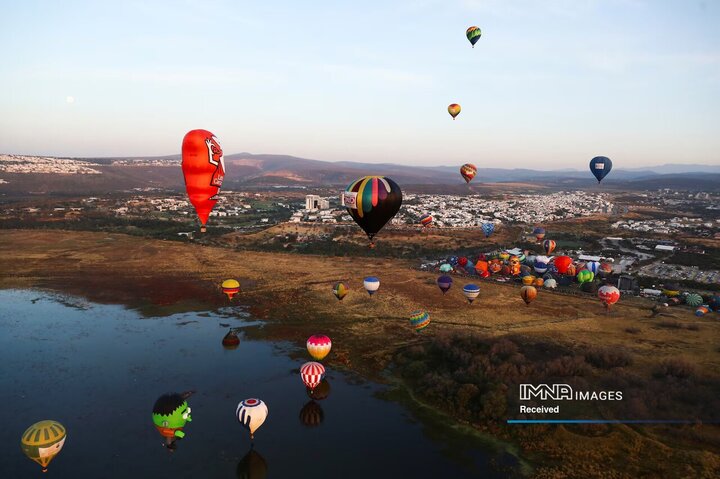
(551,83)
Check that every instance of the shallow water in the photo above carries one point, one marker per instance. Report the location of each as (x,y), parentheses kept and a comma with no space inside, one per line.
(98,370)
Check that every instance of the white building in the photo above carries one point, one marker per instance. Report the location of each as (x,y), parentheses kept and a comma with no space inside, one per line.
(314,203)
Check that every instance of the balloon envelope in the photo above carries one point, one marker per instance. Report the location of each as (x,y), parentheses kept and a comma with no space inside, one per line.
(528,294)
(251,413)
(371,284)
(471,291)
(426,220)
(562,263)
(549,246)
(419,320)
(444,282)
(454,110)
(42,441)
(372,201)
(312,373)
(318,346)
(445,268)
(468,172)
(473,34)
(203,167)
(230,287)
(609,295)
(600,166)
(340,290)
(488,229)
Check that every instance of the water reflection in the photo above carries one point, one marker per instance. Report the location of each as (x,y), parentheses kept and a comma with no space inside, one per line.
(312,415)
(321,391)
(252,466)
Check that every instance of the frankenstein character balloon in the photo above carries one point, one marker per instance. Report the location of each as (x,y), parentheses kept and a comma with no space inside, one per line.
(372,201)
(42,441)
(170,413)
(204,169)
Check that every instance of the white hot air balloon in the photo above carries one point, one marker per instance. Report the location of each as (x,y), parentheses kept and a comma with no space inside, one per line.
(371,284)
(251,413)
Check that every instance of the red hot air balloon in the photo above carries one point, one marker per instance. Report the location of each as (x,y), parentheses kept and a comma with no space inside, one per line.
(204,170)
(562,263)
(609,295)
(311,374)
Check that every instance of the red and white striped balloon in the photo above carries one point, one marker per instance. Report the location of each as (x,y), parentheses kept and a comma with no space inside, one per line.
(319,346)
(312,373)
(609,295)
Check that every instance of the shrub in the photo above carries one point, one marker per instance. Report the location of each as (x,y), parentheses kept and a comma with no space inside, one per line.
(606,358)
(677,368)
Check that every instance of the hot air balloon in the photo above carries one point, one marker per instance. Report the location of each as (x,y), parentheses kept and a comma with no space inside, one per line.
(230,287)
(538,282)
(473,35)
(312,415)
(372,201)
(528,279)
(462,261)
(468,172)
(702,311)
(319,346)
(445,268)
(600,166)
(593,266)
(609,295)
(42,441)
(419,320)
(528,294)
(693,300)
(251,413)
(204,169)
(539,233)
(444,282)
(321,391)
(540,266)
(371,284)
(562,263)
(488,229)
(549,246)
(170,413)
(312,373)
(231,340)
(585,276)
(481,266)
(340,290)
(454,110)
(550,283)
(471,291)
(605,269)
(426,220)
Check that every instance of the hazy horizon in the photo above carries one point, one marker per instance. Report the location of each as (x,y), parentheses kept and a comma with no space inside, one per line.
(548,86)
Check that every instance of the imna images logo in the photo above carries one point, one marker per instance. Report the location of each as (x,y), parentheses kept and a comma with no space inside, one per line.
(563,392)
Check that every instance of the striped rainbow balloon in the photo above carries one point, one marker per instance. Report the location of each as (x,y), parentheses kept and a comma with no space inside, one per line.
(419,320)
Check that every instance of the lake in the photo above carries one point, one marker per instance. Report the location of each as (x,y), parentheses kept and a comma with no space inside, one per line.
(98,370)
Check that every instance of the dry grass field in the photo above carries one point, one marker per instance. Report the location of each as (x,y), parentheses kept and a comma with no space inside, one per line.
(293,294)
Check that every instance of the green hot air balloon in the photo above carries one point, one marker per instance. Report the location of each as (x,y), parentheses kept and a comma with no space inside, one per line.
(473,35)
(372,201)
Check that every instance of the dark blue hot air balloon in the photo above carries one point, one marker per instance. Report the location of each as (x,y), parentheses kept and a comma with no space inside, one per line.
(600,166)
(488,229)
(444,282)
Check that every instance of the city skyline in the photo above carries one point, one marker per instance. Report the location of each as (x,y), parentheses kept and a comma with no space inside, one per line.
(548,86)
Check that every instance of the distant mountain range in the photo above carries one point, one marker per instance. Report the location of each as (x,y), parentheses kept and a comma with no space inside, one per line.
(247,169)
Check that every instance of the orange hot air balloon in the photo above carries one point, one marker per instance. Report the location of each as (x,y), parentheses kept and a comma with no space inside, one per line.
(204,170)
(454,110)
(468,172)
(481,266)
(562,263)
(528,293)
